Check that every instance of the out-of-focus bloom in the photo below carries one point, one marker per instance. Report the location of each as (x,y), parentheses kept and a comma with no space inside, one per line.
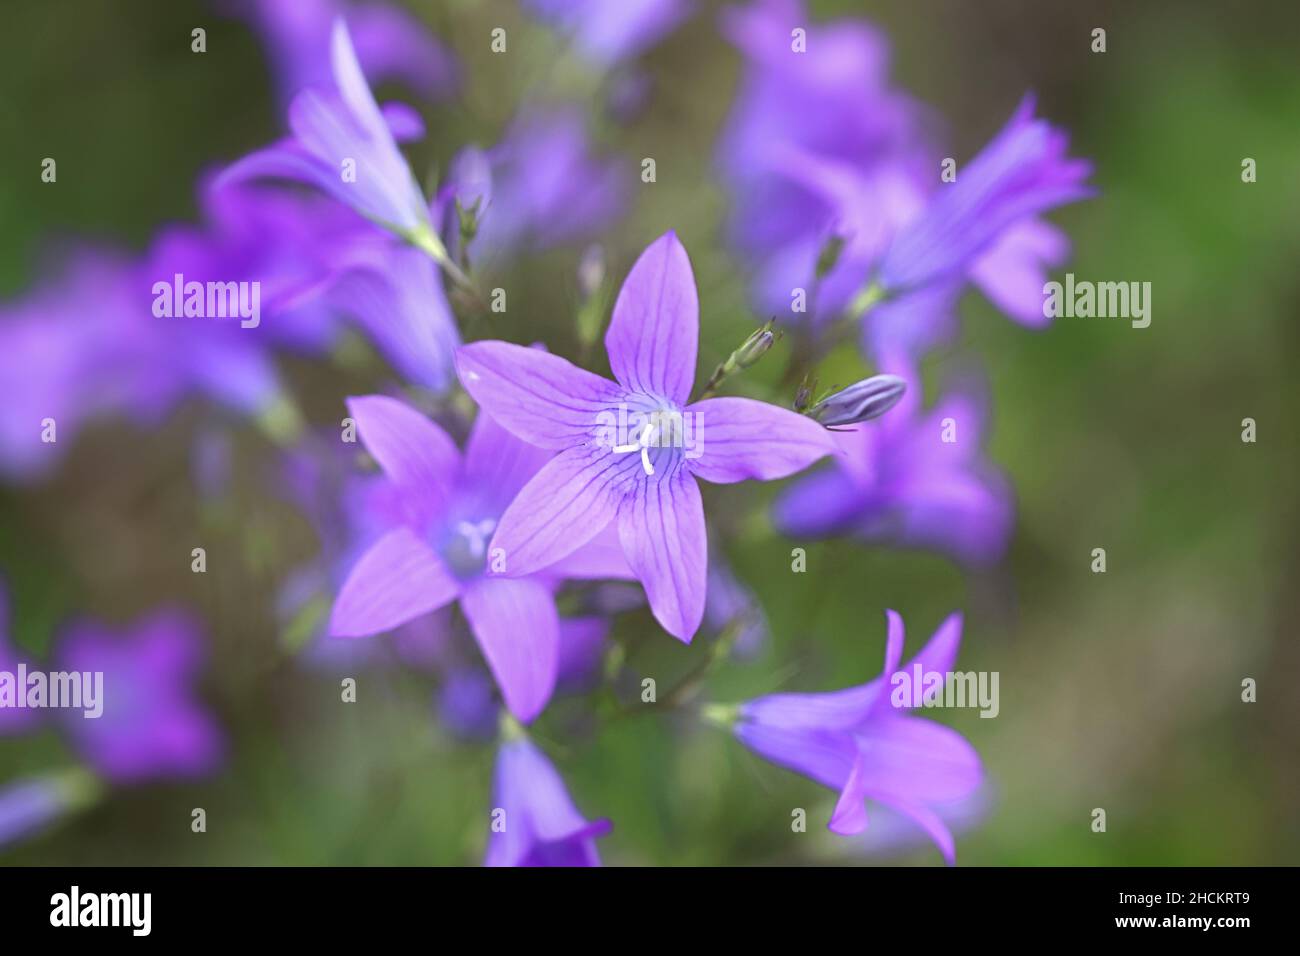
(606,33)
(345,146)
(820,153)
(85,345)
(390,44)
(632,450)
(395,293)
(911,478)
(29,805)
(856,742)
(861,401)
(538,822)
(152,723)
(1024,171)
(547,186)
(802,123)
(441,510)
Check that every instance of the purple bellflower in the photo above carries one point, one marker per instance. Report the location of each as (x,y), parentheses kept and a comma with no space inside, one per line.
(1023,171)
(857,742)
(629,452)
(152,724)
(539,825)
(909,478)
(344,145)
(442,511)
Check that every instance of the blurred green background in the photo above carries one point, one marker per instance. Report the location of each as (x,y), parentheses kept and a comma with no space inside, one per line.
(1118,690)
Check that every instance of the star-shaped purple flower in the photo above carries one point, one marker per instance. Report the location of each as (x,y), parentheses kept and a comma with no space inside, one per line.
(630,451)
(442,509)
(857,742)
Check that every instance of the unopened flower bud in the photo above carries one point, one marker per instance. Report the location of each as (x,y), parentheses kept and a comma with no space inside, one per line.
(753,348)
(860,402)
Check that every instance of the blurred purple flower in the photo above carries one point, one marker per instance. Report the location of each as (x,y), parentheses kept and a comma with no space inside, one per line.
(85,345)
(395,293)
(540,825)
(390,44)
(441,510)
(818,147)
(152,723)
(900,482)
(811,137)
(1023,171)
(649,487)
(856,742)
(542,185)
(605,32)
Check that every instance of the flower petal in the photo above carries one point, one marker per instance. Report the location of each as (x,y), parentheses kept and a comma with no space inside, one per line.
(398,579)
(934,827)
(415,454)
(497,464)
(599,559)
(818,505)
(655,329)
(824,756)
(740,438)
(850,815)
(542,398)
(661,527)
(518,629)
(566,504)
(540,819)
(916,760)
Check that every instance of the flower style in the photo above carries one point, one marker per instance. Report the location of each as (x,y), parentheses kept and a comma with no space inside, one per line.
(899,481)
(857,742)
(644,481)
(442,510)
(151,726)
(540,825)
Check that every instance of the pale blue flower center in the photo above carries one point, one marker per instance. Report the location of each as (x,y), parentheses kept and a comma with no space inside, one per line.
(656,432)
(465,546)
